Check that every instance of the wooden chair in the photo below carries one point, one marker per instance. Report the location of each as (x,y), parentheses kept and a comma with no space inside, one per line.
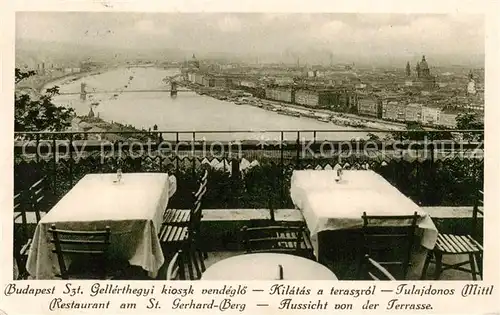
(306,239)
(453,245)
(390,240)
(27,213)
(29,207)
(174,229)
(21,251)
(277,239)
(87,249)
(374,271)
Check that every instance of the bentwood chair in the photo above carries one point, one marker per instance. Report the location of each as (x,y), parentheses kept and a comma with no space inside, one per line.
(181,265)
(459,245)
(87,250)
(176,269)
(389,240)
(375,271)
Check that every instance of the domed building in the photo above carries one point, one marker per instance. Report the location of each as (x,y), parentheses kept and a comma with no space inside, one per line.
(424,76)
(193,63)
(424,68)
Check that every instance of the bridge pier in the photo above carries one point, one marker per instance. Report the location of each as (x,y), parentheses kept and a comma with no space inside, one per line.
(83,93)
(173,88)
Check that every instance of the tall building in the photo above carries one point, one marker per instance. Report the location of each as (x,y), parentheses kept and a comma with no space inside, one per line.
(424,68)
(408,69)
(193,63)
(426,80)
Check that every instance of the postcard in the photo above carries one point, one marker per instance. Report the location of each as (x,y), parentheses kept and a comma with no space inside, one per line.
(263,157)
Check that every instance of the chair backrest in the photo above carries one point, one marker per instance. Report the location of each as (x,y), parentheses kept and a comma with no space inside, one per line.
(477,210)
(375,271)
(37,195)
(196,210)
(390,239)
(30,200)
(80,243)
(279,239)
(204,177)
(172,187)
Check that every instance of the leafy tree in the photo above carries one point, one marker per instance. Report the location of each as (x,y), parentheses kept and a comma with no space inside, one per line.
(38,113)
(416,132)
(470,121)
(372,137)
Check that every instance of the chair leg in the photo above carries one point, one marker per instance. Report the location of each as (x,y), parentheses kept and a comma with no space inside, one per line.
(439,265)
(202,262)
(428,259)
(472,262)
(479,260)
(195,262)
(359,266)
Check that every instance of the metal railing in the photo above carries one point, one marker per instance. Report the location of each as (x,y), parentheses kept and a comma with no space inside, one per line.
(64,156)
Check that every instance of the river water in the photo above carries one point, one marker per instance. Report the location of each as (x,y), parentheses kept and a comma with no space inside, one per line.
(186,112)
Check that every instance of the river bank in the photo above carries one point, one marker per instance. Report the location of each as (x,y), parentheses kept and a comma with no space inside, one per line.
(323,115)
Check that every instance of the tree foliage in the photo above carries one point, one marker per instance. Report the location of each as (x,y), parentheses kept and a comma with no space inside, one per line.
(38,113)
(470,121)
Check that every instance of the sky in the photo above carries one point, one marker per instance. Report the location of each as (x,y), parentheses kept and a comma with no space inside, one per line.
(254,33)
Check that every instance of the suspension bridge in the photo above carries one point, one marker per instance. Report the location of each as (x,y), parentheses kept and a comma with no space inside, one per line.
(173,90)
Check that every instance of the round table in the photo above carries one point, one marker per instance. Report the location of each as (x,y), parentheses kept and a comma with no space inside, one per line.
(265,266)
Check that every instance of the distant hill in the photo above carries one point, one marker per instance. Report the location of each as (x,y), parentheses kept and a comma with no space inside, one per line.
(30,53)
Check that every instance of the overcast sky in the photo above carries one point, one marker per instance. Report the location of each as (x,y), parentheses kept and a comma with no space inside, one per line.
(262,33)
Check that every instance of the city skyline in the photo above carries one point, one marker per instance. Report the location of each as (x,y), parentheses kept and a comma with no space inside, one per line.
(287,35)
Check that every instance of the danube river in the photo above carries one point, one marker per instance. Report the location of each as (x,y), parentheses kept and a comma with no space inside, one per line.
(186,112)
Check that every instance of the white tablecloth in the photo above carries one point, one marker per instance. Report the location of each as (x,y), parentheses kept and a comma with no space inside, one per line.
(132,208)
(328,205)
(264,266)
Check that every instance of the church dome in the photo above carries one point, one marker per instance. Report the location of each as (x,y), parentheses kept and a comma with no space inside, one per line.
(423,64)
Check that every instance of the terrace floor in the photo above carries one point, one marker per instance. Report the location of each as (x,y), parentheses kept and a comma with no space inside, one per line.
(218,222)
(413,274)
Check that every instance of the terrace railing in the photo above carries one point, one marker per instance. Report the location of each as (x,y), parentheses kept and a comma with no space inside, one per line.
(252,169)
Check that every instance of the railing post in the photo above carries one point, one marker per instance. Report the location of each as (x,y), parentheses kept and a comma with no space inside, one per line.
(193,154)
(54,166)
(176,154)
(235,182)
(37,146)
(71,160)
(282,173)
(433,193)
(297,162)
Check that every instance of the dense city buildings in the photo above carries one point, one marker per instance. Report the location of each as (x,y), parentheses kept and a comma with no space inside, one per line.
(404,95)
